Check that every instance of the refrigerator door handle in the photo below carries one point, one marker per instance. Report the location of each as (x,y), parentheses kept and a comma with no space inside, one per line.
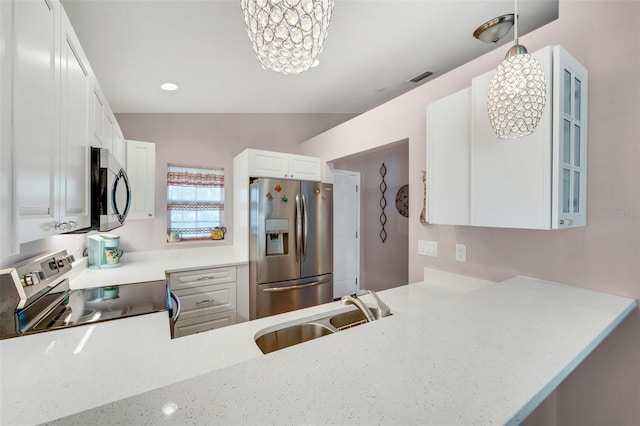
(294,287)
(305,228)
(298,228)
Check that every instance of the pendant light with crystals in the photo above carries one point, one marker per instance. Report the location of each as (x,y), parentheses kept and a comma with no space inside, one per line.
(517,93)
(287,35)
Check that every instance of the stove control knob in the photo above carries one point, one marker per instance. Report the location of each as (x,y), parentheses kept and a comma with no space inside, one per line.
(30,279)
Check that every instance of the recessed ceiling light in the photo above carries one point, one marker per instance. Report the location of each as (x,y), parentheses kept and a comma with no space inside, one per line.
(169,87)
(380,89)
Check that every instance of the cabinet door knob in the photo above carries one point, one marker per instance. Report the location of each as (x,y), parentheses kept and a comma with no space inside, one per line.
(149,214)
(64,226)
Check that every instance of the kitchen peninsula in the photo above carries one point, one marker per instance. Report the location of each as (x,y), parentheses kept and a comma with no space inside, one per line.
(457,350)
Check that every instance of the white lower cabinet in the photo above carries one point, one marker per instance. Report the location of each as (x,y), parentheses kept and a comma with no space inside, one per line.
(195,325)
(207,298)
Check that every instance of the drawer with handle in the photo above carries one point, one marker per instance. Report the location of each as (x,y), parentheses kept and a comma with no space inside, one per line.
(203,300)
(185,327)
(179,280)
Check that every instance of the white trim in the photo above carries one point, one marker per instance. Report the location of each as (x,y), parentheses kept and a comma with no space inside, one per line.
(358,191)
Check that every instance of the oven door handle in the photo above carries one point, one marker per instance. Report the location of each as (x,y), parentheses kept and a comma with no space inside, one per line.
(178,306)
(295,287)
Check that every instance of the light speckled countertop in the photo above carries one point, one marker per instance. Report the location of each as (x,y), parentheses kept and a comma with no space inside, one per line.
(153,265)
(456,351)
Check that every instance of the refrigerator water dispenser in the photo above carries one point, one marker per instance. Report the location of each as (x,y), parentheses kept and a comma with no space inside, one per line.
(277,234)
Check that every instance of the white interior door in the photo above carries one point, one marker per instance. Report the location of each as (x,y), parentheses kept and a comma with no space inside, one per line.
(346,230)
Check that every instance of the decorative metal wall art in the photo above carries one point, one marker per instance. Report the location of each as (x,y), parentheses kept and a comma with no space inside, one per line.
(423,213)
(402,200)
(383,202)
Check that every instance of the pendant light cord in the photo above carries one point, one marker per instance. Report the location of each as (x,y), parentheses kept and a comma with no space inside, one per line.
(515,19)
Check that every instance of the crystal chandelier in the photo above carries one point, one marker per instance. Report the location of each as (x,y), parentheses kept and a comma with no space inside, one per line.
(287,35)
(517,93)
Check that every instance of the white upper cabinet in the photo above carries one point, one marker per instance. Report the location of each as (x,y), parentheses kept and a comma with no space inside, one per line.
(141,168)
(74,150)
(110,131)
(7,246)
(52,113)
(302,167)
(448,159)
(97,117)
(284,166)
(537,181)
(119,147)
(570,132)
(534,182)
(36,118)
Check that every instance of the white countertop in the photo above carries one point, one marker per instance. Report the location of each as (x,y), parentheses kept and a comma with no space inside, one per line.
(152,265)
(456,351)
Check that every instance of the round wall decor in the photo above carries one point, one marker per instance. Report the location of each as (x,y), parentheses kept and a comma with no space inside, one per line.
(402,200)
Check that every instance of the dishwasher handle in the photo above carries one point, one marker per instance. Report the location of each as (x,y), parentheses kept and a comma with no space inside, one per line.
(177,308)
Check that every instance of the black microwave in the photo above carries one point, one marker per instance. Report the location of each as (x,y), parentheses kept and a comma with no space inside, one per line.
(110,192)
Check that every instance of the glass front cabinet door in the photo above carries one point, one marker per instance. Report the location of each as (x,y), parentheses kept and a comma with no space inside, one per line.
(570,141)
(538,181)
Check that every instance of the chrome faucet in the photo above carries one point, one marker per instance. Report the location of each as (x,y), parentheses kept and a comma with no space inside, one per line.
(381,309)
(353,300)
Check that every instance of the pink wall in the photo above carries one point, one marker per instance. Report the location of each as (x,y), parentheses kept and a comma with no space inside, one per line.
(604,255)
(209,140)
(382,265)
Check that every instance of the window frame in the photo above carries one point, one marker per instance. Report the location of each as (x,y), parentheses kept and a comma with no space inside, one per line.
(173,203)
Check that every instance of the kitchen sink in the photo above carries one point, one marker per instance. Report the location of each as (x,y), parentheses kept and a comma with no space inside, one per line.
(306,329)
(348,319)
(292,335)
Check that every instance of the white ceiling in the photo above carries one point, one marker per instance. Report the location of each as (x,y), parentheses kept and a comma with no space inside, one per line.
(202,45)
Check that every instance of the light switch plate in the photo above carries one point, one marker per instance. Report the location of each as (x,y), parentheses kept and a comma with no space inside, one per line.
(428,248)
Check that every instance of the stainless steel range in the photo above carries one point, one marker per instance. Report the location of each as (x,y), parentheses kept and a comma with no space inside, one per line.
(35,297)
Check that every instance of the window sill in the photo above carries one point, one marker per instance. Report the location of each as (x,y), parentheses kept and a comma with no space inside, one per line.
(197,243)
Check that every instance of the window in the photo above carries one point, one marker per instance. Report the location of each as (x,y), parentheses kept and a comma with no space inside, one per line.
(195,201)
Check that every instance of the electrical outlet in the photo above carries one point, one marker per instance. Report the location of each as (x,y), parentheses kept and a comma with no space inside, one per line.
(461,253)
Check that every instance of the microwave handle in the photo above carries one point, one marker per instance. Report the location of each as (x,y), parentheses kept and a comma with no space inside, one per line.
(122,176)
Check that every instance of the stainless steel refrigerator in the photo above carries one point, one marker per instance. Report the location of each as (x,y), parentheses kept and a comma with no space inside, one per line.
(291,245)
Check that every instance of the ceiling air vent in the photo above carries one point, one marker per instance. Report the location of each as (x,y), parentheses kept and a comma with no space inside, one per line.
(422,76)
